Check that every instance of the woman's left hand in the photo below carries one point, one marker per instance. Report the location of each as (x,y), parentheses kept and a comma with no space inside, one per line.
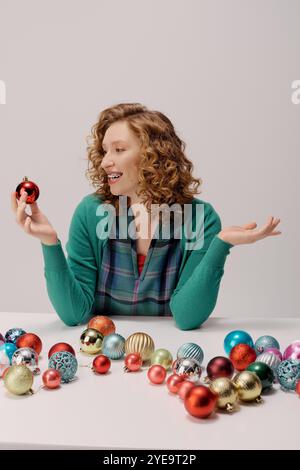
(248,233)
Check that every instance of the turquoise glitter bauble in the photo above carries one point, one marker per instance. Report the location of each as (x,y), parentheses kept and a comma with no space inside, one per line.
(113,346)
(7,349)
(191,350)
(288,373)
(66,363)
(236,337)
(265,342)
(13,334)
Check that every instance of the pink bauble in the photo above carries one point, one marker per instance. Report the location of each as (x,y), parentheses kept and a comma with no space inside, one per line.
(156,374)
(274,351)
(292,351)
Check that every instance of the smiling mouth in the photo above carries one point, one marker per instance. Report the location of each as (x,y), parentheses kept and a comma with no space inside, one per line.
(112,178)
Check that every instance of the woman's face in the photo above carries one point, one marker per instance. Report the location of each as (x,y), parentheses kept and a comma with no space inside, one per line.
(121,158)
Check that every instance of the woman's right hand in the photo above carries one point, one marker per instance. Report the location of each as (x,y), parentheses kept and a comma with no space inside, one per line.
(35,224)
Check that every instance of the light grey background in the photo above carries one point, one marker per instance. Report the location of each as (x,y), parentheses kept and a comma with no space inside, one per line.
(221,70)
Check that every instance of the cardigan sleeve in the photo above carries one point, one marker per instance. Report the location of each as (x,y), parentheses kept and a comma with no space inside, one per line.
(71,281)
(196,292)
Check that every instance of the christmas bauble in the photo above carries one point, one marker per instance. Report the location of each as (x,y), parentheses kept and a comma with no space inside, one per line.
(2,340)
(51,378)
(133,362)
(270,359)
(226,391)
(274,351)
(248,385)
(241,356)
(191,350)
(13,334)
(200,401)
(298,387)
(184,387)
(91,341)
(288,373)
(18,380)
(236,337)
(6,351)
(157,374)
(162,357)
(264,342)
(219,366)
(61,347)
(101,364)
(174,381)
(31,189)
(65,363)
(103,324)
(264,372)
(188,367)
(28,357)
(113,346)
(30,340)
(140,343)
(5,361)
(292,351)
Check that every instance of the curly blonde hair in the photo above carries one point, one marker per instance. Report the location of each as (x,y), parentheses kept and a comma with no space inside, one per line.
(165,173)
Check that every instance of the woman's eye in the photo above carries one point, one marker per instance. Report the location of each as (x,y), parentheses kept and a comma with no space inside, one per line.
(120,150)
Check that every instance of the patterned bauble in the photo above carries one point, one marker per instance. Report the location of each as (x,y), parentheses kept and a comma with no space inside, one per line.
(188,367)
(157,374)
(103,324)
(140,343)
(18,380)
(28,357)
(113,346)
(226,391)
(264,342)
(292,351)
(191,350)
(236,337)
(274,351)
(65,363)
(241,356)
(200,401)
(91,341)
(162,357)
(13,334)
(264,372)
(270,359)
(30,340)
(248,385)
(219,366)
(60,347)
(6,351)
(101,364)
(133,362)
(288,373)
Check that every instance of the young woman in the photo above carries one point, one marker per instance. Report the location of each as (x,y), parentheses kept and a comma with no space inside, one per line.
(135,156)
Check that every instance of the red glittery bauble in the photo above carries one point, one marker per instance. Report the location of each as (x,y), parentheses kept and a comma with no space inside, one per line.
(51,378)
(30,340)
(184,388)
(60,347)
(156,374)
(219,366)
(242,356)
(174,381)
(103,324)
(31,189)
(200,401)
(133,362)
(101,364)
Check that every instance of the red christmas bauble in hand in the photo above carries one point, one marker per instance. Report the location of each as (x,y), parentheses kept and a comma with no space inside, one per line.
(61,347)
(101,364)
(241,356)
(200,401)
(30,340)
(30,188)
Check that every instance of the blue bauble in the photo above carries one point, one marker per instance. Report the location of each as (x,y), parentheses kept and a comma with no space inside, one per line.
(7,349)
(265,342)
(13,334)
(190,350)
(113,346)
(236,337)
(288,373)
(66,363)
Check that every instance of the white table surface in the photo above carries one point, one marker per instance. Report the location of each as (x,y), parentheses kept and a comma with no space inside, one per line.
(124,411)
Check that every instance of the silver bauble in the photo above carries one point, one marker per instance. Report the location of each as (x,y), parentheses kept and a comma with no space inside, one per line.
(28,357)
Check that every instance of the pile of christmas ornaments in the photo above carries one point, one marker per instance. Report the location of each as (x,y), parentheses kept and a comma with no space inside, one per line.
(242,375)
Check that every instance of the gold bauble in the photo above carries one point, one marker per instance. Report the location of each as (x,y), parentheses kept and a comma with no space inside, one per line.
(140,343)
(162,357)
(18,379)
(226,391)
(91,341)
(248,385)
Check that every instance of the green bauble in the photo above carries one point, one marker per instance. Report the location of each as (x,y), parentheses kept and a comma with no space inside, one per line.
(162,357)
(264,372)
